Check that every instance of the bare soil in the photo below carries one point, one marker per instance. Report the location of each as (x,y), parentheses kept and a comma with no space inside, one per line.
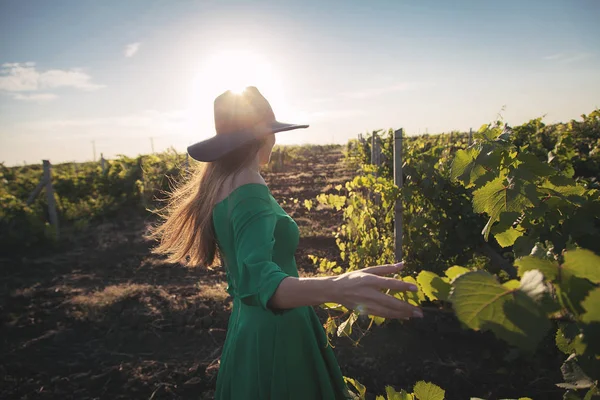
(103,318)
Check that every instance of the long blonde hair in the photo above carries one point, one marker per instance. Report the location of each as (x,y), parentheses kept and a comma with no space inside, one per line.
(186,234)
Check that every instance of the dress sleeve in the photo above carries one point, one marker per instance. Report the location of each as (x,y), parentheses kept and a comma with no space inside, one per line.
(254,222)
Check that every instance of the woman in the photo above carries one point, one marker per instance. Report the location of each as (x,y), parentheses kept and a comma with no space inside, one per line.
(275,347)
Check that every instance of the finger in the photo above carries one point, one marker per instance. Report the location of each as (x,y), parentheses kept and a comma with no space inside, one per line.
(398,307)
(388,307)
(395,284)
(384,269)
(392,313)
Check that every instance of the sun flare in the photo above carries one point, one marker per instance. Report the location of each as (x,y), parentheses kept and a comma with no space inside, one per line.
(235,70)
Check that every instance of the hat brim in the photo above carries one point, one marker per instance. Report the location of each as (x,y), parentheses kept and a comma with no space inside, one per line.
(219,145)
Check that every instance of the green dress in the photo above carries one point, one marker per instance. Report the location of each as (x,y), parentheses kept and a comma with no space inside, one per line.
(268,354)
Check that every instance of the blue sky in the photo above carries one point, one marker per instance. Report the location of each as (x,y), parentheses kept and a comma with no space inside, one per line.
(121,72)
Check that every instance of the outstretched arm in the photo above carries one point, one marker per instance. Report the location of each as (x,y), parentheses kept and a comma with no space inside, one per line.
(363,287)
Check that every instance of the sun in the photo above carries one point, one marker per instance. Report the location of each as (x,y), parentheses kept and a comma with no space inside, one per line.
(235,70)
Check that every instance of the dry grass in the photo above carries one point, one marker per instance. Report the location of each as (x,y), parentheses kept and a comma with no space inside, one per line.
(296,189)
(152,301)
(211,290)
(111,294)
(26,292)
(299,176)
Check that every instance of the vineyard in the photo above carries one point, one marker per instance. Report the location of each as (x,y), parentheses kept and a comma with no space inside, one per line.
(501,233)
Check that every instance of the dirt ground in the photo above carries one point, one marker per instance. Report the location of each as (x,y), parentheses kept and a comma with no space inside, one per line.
(103,318)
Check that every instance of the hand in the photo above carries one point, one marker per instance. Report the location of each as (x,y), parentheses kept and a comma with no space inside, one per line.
(363,289)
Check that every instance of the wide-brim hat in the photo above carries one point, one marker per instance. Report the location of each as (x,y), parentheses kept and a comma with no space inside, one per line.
(239,119)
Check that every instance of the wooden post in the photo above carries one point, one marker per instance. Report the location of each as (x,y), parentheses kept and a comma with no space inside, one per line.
(102,162)
(378,164)
(53,215)
(373,141)
(280,155)
(470,136)
(375,149)
(382,158)
(378,150)
(398,182)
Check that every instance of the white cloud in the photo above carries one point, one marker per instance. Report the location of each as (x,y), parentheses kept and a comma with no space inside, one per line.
(554,56)
(136,124)
(131,49)
(24,77)
(35,96)
(15,77)
(568,58)
(74,78)
(577,57)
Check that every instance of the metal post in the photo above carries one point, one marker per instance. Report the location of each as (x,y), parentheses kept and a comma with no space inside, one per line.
(53,215)
(398,183)
(470,136)
(102,162)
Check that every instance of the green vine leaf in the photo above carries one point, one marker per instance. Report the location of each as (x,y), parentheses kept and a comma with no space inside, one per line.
(308,204)
(591,305)
(414,298)
(529,167)
(504,231)
(334,306)
(392,394)
(529,263)
(345,328)
(562,187)
(574,376)
(481,303)
(583,264)
(433,286)
(466,169)
(594,391)
(332,200)
(428,391)
(455,271)
(503,195)
(508,237)
(512,284)
(362,390)
(573,291)
(569,339)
